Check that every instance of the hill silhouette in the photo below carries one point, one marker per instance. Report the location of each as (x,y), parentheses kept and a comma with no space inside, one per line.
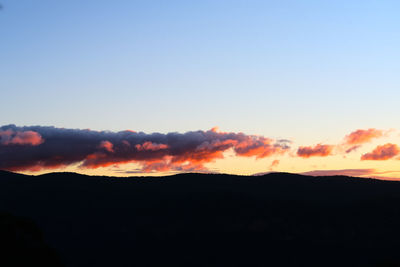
(278,219)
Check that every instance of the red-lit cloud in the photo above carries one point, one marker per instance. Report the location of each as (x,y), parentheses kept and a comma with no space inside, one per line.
(107,145)
(153,152)
(10,137)
(384,152)
(260,147)
(316,151)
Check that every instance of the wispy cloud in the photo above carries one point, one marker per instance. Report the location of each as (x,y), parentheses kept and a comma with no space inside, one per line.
(274,164)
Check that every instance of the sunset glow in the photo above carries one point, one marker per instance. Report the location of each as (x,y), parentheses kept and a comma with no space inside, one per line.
(140,88)
(44,149)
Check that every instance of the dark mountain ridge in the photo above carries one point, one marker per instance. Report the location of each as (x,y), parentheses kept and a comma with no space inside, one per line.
(279,219)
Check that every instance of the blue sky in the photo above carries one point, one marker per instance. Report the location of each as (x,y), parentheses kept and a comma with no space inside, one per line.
(305,70)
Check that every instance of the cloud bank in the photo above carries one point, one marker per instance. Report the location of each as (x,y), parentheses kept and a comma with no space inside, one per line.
(36,148)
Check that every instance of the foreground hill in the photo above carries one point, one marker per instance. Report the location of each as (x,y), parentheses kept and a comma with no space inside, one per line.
(210,220)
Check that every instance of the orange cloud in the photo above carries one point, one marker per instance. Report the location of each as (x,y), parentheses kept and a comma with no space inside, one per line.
(356,139)
(260,147)
(316,151)
(384,152)
(363,136)
(10,137)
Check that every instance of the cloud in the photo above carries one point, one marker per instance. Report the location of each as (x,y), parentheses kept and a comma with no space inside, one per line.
(260,147)
(316,151)
(188,151)
(11,137)
(107,145)
(384,152)
(351,143)
(274,163)
(353,148)
(363,136)
(356,139)
(149,146)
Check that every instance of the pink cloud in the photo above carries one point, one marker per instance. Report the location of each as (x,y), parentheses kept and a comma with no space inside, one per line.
(107,145)
(10,137)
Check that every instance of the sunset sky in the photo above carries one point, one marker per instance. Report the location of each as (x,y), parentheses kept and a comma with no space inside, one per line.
(238,87)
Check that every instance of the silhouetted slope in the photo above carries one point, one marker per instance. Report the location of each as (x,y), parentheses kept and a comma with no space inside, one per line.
(211,220)
(22,244)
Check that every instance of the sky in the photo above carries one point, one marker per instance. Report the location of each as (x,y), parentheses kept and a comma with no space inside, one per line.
(308,72)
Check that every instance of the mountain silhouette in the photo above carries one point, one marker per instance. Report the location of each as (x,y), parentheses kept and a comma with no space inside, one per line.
(278,219)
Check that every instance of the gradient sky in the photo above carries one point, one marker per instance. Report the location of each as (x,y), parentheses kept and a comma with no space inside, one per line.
(308,71)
